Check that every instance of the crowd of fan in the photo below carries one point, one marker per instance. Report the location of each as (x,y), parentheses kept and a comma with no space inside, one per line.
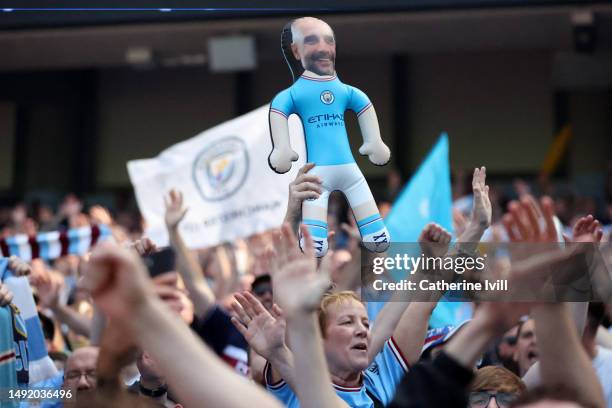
(260,323)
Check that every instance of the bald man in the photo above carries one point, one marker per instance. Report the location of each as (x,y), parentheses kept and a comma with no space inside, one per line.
(80,370)
(320,100)
(79,375)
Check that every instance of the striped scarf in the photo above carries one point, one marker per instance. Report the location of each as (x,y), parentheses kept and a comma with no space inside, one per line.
(20,341)
(52,245)
(8,374)
(34,356)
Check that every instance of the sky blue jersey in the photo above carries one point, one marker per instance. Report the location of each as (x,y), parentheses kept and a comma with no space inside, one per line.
(320,103)
(379,380)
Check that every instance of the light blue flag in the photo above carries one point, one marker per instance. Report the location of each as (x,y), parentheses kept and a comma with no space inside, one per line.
(426,198)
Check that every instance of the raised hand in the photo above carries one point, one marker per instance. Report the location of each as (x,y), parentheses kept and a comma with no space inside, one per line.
(587,226)
(18,266)
(6,296)
(265,332)
(143,246)
(166,288)
(117,280)
(100,215)
(49,288)
(535,250)
(298,286)
(531,231)
(527,224)
(304,187)
(434,240)
(175,211)
(481,211)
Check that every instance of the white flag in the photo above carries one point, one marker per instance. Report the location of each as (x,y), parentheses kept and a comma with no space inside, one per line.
(227,184)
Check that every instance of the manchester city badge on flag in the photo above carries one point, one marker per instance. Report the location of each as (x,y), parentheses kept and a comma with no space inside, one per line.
(225,179)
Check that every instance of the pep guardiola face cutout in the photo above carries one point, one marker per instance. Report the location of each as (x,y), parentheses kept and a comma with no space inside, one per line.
(314,45)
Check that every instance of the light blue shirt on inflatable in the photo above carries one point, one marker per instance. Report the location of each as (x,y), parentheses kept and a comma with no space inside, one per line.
(320,103)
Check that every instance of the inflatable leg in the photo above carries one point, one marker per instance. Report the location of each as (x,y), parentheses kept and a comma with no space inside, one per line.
(314,217)
(374,234)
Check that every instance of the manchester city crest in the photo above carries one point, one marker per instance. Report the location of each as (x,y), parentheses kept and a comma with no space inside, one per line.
(327,97)
(220,169)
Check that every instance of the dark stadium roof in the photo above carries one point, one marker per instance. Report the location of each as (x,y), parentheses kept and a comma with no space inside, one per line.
(22,14)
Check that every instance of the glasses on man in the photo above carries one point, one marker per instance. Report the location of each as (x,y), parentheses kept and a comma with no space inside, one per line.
(90,375)
(480,399)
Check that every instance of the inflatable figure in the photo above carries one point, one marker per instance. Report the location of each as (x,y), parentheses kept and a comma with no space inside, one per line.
(320,100)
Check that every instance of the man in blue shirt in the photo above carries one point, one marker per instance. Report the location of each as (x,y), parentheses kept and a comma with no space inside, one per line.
(320,100)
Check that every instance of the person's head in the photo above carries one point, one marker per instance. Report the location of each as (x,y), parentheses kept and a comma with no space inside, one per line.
(346,332)
(340,258)
(314,44)
(59,359)
(147,367)
(48,330)
(80,369)
(495,387)
(505,350)
(526,353)
(507,345)
(262,290)
(170,288)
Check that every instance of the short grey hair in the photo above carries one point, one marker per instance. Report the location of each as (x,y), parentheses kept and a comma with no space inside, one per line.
(296,34)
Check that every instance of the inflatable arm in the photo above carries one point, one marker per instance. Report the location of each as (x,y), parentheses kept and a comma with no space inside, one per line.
(373,146)
(282,154)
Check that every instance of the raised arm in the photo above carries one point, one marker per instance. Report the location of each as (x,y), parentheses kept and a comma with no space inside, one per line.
(265,332)
(116,352)
(298,290)
(49,287)
(444,381)
(188,266)
(409,334)
(404,320)
(118,282)
(563,360)
(559,327)
(541,228)
(452,370)
(408,323)
(305,186)
(482,212)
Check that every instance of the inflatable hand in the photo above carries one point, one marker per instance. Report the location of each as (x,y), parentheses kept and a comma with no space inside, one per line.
(378,153)
(280,159)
